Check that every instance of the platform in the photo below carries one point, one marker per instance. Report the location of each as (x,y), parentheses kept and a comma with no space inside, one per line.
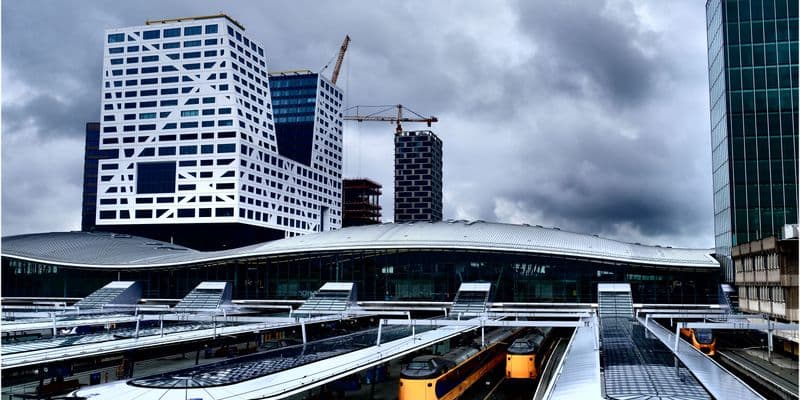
(280,384)
(717,380)
(578,374)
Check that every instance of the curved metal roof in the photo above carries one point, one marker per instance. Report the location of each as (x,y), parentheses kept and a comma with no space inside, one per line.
(115,251)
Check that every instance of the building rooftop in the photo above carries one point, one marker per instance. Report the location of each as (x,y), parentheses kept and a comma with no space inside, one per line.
(109,250)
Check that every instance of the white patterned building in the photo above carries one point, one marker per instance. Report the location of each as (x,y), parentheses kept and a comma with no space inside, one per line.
(187,106)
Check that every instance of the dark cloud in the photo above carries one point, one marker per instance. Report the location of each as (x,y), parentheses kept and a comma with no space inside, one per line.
(589,115)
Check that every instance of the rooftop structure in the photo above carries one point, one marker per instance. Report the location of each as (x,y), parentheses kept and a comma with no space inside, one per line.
(422,261)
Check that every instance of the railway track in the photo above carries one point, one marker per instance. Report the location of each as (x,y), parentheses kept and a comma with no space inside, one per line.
(786,385)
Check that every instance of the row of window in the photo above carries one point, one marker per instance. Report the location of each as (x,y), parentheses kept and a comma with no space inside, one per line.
(165,79)
(169,45)
(153,70)
(166,213)
(149,104)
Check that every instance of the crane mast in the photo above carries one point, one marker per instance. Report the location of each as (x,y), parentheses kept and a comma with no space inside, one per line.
(338,67)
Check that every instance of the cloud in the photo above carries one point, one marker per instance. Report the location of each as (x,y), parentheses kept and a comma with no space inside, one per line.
(588,115)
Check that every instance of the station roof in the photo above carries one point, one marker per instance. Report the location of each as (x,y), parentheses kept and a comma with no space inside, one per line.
(104,250)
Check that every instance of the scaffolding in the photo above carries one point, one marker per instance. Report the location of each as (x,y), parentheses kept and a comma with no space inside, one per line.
(361,202)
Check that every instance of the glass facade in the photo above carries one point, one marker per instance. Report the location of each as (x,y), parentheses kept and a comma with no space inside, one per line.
(753,77)
(92,156)
(294,99)
(428,275)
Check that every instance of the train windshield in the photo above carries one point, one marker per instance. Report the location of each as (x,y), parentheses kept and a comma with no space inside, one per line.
(521,345)
(703,336)
(418,366)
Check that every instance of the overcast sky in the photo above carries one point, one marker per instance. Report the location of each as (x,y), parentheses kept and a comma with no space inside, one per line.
(587,115)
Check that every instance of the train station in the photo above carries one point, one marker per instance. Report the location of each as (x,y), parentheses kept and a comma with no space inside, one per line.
(414,310)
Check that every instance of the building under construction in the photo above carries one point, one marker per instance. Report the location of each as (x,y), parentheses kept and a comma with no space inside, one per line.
(361,205)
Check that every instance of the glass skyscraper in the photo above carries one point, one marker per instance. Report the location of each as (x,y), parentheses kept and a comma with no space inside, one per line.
(753,74)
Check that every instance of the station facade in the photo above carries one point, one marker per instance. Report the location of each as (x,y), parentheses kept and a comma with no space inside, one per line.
(397,262)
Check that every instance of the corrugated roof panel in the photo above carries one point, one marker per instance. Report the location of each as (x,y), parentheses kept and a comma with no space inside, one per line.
(98,249)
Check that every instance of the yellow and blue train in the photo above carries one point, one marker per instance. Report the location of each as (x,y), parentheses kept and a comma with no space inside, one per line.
(701,339)
(524,356)
(445,377)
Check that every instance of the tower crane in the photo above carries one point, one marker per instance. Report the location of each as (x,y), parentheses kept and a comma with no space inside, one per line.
(339,60)
(380,115)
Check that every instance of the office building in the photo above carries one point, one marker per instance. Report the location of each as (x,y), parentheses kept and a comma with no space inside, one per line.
(187,106)
(91,159)
(361,202)
(753,75)
(417,176)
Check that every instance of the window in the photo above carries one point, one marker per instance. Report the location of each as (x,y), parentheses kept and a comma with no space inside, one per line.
(151,34)
(166,103)
(169,79)
(166,151)
(207,149)
(173,32)
(149,81)
(108,214)
(116,61)
(116,50)
(224,110)
(186,213)
(155,177)
(133,48)
(210,53)
(188,125)
(211,28)
(193,54)
(210,42)
(189,113)
(188,150)
(168,68)
(149,70)
(192,30)
(191,66)
(144,213)
(147,115)
(116,38)
(208,100)
(169,91)
(149,58)
(191,43)
(172,45)
(225,122)
(226,148)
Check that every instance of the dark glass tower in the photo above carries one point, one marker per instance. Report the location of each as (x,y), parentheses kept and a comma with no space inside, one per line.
(417,176)
(294,99)
(753,77)
(92,155)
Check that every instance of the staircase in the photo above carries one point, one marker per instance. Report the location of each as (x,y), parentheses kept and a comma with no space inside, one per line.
(614,300)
